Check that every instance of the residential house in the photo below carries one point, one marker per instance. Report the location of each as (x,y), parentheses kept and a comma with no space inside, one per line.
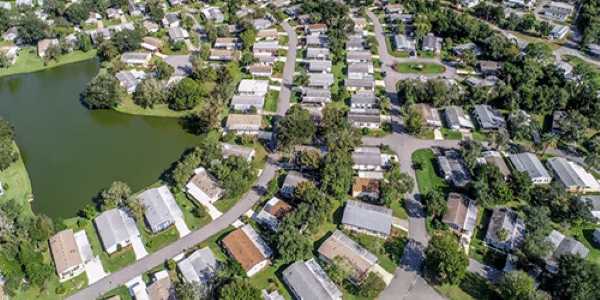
(161,208)
(292,11)
(520,3)
(558,11)
(317,53)
(162,288)
(456,118)
(246,153)
(292,179)
(370,175)
(469,3)
(266,60)
(557,117)
(316,96)
(405,18)
(487,67)
(272,212)
(431,116)
(213,13)
(265,48)
(365,187)
(468,46)
(307,280)
(136,9)
(394,9)
(504,219)
(199,267)
(453,168)
(369,158)
(93,18)
(151,26)
(250,87)
(267,34)
(136,59)
(178,34)
(401,43)
(364,117)
(355,44)
(260,24)
(462,214)
(248,248)
(315,29)
(303,19)
(359,56)
(99,33)
(494,157)
(234,29)
(151,44)
(273,295)
(259,71)
(367,218)
(244,124)
(5,5)
(11,34)
(246,103)
(320,81)
(360,22)
(10,52)
(24,3)
(594,49)
(367,83)
(363,100)
(65,254)
(243,12)
(359,70)
(431,43)
(488,118)
(593,203)
(277,4)
(319,66)
(221,55)
(339,245)
(204,187)
(171,20)
(559,32)
(317,41)
(228,43)
(575,178)
(44,45)
(116,227)
(563,245)
(113,13)
(175,3)
(531,164)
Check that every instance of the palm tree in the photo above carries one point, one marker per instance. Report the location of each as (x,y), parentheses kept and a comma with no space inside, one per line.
(384,103)
(303,79)
(593,160)
(550,140)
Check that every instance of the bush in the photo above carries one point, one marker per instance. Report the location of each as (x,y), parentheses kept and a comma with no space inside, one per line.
(245,219)
(61,289)
(150,244)
(83,223)
(119,247)
(365,131)
(171,265)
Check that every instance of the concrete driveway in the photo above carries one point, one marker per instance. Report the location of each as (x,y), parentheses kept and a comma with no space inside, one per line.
(181,227)
(138,248)
(94,270)
(485,271)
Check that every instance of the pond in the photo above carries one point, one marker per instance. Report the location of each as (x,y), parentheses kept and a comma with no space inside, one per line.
(70,152)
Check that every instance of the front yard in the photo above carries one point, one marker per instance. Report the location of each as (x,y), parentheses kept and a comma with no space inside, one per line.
(427,178)
(420,68)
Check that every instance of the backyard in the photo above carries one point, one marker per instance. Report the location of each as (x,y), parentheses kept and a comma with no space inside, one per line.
(427,178)
(15,183)
(28,61)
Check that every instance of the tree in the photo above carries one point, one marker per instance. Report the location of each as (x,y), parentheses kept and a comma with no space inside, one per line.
(240,289)
(593,160)
(574,127)
(127,40)
(435,205)
(371,286)
(53,53)
(89,212)
(78,12)
(295,128)
(163,69)
(291,245)
(520,183)
(413,120)
(150,92)
(340,268)
(337,173)
(154,9)
(187,94)
(549,140)
(446,258)
(302,79)
(576,278)
(31,28)
(118,193)
(384,104)
(190,291)
(469,57)
(310,158)
(137,208)
(8,155)
(518,285)
(471,150)
(103,92)
(248,38)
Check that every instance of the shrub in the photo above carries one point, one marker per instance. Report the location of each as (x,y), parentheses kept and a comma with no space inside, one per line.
(61,289)
(119,247)
(171,264)
(365,131)
(245,219)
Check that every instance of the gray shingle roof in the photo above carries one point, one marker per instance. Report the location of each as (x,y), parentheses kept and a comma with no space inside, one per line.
(367,81)
(565,173)
(319,65)
(363,98)
(309,281)
(528,162)
(198,267)
(488,117)
(160,206)
(368,216)
(115,226)
(292,179)
(456,117)
(235,150)
(367,158)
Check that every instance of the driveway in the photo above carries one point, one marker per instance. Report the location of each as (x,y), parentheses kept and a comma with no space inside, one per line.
(485,271)
(181,227)
(138,248)
(94,270)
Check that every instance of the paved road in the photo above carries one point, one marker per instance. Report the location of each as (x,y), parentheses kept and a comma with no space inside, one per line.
(288,71)
(485,271)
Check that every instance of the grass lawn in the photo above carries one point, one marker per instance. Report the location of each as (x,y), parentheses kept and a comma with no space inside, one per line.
(472,287)
(427,178)
(107,23)
(399,211)
(190,208)
(17,186)
(154,242)
(394,53)
(301,53)
(225,204)
(428,134)
(292,23)
(375,245)
(28,61)
(282,52)
(271,101)
(575,60)
(584,233)
(284,40)
(71,286)
(477,250)
(479,136)
(134,18)
(295,96)
(451,134)
(271,279)
(531,39)
(121,291)
(426,54)
(160,110)
(420,68)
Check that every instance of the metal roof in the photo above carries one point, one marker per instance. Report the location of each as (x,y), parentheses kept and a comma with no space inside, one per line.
(367,216)
(530,163)
(116,226)
(160,206)
(199,266)
(488,117)
(456,117)
(366,97)
(339,244)
(309,281)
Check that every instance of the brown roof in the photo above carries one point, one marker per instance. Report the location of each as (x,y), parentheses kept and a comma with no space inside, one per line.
(458,206)
(365,185)
(243,249)
(267,33)
(152,41)
(260,69)
(206,183)
(499,161)
(162,289)
(250,120)
(228,40)
(64,250)
(317,26)
(340,245)
(280,209)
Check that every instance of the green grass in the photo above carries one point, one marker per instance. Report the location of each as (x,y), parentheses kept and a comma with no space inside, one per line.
(428,134)
(451,134)
(575,60)
(160,239)
(282,52)
(295,97)
(18,185)
(420,68)
(71,285)
(479,136)
(301,53)
(426,54)
(271,279)
(160,110)
(375,246)
(134,18)
(121,291)
(284,40)
(28,61)
(226,204)
(271,101)
(398,209)
(472,287)
(427,178)
(394,53)
(189,206)
(584,234)
(107,23)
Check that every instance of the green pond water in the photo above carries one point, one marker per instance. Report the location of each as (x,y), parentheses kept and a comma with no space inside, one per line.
(70,152)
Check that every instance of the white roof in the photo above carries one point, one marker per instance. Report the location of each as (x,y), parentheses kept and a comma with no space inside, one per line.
(253,86)
(85,250)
